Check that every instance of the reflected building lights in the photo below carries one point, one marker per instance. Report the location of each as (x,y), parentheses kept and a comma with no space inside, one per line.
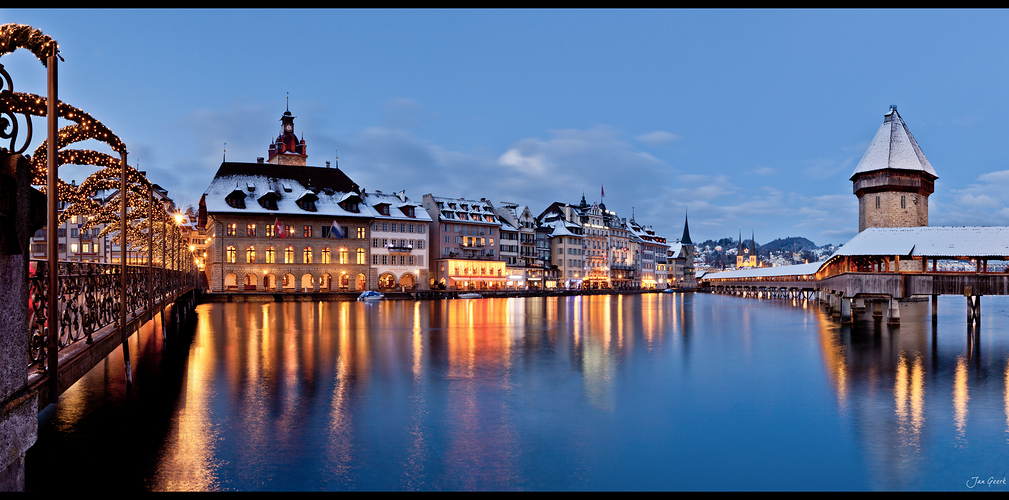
(1005,396)
(417,344)
(835,360)
(909,399)
(960,399)
(188,463)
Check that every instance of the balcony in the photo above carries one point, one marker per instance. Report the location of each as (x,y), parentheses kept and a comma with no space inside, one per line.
(399,249)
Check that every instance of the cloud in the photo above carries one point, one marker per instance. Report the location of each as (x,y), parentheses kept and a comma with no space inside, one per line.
(534,171)
(201,136)
(560,165)
(968,120)
(983,202)
(403,112)
(823,168)
(658,138)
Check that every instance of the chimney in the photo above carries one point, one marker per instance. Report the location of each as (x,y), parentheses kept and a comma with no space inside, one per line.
(259,160)
(327,164)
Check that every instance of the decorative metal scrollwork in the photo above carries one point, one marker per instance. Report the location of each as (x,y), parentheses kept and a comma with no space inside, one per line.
(9,120)
(37,313)
(89,299)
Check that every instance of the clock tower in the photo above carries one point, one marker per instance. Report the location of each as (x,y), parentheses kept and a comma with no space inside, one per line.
(287,149)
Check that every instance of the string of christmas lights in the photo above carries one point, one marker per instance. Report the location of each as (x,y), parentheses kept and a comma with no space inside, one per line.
(15,36)
(142,218)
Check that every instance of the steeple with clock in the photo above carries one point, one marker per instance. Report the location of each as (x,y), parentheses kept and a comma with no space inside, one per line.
(287,149)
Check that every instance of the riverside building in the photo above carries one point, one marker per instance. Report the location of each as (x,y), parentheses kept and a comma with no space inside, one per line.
(280,225)
(465,235)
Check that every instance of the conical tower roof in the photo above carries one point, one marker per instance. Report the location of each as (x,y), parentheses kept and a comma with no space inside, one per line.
(893,147)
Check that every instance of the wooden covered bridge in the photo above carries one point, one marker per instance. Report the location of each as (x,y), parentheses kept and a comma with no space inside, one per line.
(882,266)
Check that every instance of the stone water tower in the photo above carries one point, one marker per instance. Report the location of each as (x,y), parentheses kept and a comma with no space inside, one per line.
(894,179)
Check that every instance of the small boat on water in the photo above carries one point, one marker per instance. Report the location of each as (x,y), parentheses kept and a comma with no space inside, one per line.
(370,296)
(470,295)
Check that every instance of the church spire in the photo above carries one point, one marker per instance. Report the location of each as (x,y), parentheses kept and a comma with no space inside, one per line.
(686,231)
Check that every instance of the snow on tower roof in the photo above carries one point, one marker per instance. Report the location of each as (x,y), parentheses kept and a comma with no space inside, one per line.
(893,147)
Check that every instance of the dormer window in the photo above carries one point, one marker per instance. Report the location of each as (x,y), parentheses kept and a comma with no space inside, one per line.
(251,187)
(236,199)
(408,211)
(269,200)
(383,208)
(307,201)
(350,202)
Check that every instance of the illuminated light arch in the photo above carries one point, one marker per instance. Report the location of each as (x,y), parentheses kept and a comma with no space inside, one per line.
(80,200)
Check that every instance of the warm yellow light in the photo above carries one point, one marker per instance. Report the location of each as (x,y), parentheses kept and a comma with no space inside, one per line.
(178,219)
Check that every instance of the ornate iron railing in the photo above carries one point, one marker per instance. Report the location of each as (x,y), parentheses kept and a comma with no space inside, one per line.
(90,299)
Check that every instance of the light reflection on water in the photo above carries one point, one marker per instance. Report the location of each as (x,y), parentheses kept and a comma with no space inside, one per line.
(635,392)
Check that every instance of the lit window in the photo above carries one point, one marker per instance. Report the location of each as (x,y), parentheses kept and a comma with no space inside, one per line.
(270,254)
(343,256)
(250,230)
(308,255)
(308,231)
(361,232)
(232,229)
(361,256)
(289,255)
(325,255)
(250,255)
(231,254)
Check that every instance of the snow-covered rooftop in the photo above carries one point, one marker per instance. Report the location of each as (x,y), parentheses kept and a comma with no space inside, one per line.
(764,272)
(930,241)
(461,209)
(893,147)
(286,184)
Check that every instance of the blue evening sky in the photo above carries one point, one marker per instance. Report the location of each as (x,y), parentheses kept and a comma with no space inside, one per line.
(751,119)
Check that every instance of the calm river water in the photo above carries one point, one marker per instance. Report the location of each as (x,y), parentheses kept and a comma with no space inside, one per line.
(635,392)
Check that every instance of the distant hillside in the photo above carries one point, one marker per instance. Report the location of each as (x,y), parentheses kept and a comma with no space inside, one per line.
(794,244)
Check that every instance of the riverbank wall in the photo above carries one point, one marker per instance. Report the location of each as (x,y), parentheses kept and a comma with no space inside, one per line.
(414,295)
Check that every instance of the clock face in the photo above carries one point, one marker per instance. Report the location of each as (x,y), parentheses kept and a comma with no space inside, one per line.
(288,127)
